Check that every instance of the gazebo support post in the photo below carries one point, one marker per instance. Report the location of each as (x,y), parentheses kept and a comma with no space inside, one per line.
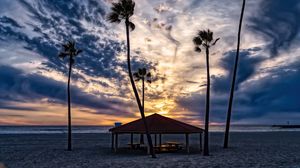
(159,140)
(155,142)
(142,139)
(131,140)
(148,147)
(112,141)
(116,142)
(200,141)
(187,143)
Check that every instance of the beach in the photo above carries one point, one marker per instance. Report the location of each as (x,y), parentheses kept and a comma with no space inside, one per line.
(248,149)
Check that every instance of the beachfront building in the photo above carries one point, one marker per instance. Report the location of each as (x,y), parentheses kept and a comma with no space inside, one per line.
(158,126)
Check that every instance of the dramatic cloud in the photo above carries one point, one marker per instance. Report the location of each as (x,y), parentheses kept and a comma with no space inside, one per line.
(279,23)
(32,78)
(19,87)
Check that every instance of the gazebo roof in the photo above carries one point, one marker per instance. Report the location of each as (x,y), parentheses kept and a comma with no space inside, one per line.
(158,124)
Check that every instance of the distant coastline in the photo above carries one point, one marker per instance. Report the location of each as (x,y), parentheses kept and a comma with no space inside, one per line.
(286,126)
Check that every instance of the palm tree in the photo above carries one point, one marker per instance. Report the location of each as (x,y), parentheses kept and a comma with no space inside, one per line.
(70,51)
(123,10)
(142,75)
(226,135)
(205,39)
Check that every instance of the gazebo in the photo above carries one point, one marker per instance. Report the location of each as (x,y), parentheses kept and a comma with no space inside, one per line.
(158,125)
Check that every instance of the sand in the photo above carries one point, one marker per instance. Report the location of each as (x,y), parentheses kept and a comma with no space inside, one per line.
(264,149)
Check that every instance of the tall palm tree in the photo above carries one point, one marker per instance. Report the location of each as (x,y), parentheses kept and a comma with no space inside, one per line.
(226,135)
(204,39)
(123,10)
(69,50)
(142,75)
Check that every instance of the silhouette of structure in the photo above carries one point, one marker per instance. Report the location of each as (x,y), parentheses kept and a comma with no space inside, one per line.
(158,125)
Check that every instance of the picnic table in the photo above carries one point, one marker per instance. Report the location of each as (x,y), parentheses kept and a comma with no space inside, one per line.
(174,144)
(169,147)
(135,145)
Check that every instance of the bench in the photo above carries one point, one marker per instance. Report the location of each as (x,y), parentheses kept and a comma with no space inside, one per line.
(134,145)
(169,147)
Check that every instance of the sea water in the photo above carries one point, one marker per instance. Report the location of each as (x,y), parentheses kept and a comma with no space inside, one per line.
(105,129)
(52,129)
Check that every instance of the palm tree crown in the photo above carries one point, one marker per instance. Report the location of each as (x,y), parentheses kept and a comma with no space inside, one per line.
(204,38)
(69,49)
(142,74)
(122,10)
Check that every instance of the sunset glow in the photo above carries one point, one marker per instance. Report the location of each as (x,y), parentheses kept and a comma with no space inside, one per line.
(33,80)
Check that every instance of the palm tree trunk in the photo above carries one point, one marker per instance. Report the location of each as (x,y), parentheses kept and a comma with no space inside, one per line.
(69,108)
(143,87)
(206,145)
(143,104)
(226,135)
(136,93)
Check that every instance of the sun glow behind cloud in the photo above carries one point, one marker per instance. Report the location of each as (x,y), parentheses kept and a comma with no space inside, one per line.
(162,40)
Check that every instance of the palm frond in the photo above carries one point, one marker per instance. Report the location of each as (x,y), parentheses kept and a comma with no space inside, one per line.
(209,36)
(144,71)
(113,18)
(78,51)
(63,55)
(140,71)
(117,8)
(197,49)
(136,75)
(197,40)
(69,49)
(214,43)
(71,44)
(148,75)
(203,35)
(131,26)
(123,9)
(142,74)
(66,47)
(128,7)
(149,80)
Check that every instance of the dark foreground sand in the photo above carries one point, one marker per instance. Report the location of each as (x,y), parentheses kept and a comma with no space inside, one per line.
(270,149)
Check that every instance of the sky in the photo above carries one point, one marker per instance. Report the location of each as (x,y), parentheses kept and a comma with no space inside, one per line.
(33,79)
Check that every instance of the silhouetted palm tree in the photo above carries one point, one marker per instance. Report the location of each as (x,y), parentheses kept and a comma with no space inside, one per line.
(123,10)
(70,51)
(226,135)
(205,39)
(142,75)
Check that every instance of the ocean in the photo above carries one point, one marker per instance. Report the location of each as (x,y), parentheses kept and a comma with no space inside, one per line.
(104,129)
(52,129)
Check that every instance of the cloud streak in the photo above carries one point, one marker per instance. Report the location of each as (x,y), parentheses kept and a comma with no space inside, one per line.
(31,72)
